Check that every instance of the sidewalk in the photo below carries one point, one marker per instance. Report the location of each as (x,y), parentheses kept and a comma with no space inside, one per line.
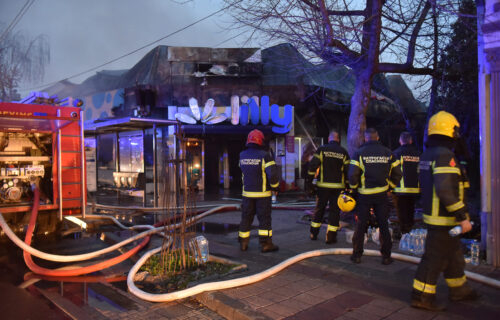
(328,287)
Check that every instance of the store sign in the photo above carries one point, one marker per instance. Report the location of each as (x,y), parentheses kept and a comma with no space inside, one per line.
(260,114)
(249,112)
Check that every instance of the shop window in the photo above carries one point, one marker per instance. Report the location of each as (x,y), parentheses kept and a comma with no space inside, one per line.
(131,152)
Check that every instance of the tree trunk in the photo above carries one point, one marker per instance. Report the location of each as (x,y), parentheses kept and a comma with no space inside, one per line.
(359,106)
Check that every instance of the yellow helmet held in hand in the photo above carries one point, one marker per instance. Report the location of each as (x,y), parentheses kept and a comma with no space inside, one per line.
(443,123)
(346,202)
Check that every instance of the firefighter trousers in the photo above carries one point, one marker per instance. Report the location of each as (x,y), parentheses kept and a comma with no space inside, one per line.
(324,197)
(405,209)
(443,253)
(380,207)
(249,208)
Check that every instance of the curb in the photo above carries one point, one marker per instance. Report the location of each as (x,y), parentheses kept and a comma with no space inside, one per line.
(228,307)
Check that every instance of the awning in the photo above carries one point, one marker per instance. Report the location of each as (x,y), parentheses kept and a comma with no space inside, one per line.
(125,124)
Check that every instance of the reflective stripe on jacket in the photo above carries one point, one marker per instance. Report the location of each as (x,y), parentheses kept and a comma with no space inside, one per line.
(373,169)
(408,157)
(441,187)
(332,160)
(259,172)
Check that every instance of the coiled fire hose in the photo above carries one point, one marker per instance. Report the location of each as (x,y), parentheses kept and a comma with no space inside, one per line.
(72,272)
(221,284)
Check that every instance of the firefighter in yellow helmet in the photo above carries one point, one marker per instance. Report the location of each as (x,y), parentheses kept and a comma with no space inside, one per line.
(442,201)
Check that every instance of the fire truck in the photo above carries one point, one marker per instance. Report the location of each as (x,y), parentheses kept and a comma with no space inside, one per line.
(42,146)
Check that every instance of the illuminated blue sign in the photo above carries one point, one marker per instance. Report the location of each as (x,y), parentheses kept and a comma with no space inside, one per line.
(248,112)
(261,114)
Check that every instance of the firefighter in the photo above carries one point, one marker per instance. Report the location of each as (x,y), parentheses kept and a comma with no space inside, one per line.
(332,160)
(407,191)
(260,179)
(372,171)
(440,183)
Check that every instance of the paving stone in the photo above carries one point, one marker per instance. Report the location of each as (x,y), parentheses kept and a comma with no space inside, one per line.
(375,310)
(295,304)
(326,291)
(257,301)
(309,299)
(271,314)
(173,311)
(319,313)
(250,290)
(415,314)
(358,314)
(297,287)
(391,305)
(272,296)
(275,282)
(282,309)
(286,292)
(291,276)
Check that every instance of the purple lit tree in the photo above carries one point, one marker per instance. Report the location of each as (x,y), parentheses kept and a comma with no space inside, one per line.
(368,36)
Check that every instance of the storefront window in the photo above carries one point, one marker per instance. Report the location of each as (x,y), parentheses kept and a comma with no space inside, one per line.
(131,151)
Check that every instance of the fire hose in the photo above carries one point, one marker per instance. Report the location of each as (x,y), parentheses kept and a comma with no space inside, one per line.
(202,287)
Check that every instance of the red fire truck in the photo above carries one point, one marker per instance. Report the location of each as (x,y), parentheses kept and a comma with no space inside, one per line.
(41,145)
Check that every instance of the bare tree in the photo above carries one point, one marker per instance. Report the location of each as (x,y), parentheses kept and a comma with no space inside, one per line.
(22,58)
(368,36)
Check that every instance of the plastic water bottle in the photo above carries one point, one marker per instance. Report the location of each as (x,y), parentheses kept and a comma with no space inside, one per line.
(455,231)
(403,243)
(474,253)
(412,242)
(274,199)
(199,246)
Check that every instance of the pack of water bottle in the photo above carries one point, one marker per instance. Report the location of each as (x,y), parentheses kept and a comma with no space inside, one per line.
(413,242)
(472,252)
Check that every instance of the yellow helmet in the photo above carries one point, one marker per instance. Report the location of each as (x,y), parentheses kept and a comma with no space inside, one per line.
(443,123)
(346,202)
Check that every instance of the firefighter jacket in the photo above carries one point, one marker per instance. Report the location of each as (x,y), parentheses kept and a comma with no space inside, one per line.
(408,157)
(441,185)
(333,161)
(373,169)
(259,172)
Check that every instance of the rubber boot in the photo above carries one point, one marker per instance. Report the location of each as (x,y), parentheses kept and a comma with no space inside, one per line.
(463,293)
(269,246)
(425,301)
(331,237)
(314,233)
(243,243)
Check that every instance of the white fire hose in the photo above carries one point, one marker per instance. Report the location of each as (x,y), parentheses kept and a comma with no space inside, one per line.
(87,256)
(220,285)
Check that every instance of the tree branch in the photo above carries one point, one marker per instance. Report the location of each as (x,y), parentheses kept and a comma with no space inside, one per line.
(416,31)
(403,68)
(336,12)
(331,41)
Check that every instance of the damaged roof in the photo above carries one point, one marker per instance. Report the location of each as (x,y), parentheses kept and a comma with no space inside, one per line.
(280,65)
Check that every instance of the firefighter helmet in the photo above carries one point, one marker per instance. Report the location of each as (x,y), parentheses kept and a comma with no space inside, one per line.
(346,202)
(443,123)
(256,136)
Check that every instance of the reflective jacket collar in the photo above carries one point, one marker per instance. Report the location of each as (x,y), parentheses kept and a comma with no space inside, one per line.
(253,146)
(371,142)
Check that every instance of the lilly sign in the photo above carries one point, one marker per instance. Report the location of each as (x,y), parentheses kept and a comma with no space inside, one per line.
(249,112)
